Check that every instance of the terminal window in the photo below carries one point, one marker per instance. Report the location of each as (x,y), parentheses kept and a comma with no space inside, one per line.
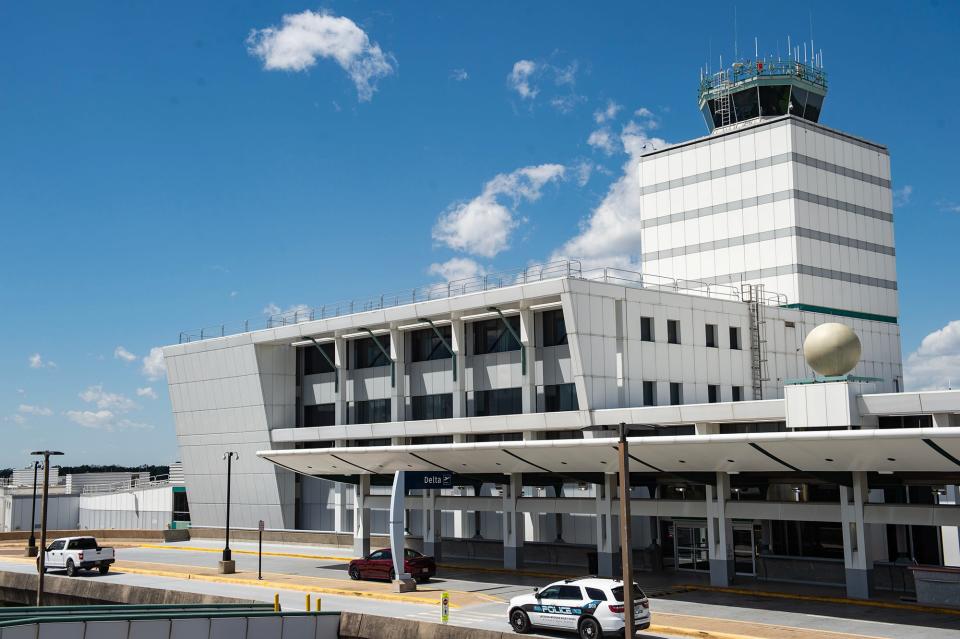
(554,328)
(504,401)
(319,415)
(676,393)
(713,393)
(559,397)
(737,393)
(646,329)
(712,341)
(371,411)
(425,345)
(314,362)
(438,406)
(366,353)
(735,338)
(673,331)
(649,393)
(491,336)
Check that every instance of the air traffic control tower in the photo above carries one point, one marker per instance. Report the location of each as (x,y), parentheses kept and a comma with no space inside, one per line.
(772,200)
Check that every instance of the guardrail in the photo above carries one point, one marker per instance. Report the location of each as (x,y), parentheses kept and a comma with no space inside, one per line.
(134,483)
(533,273)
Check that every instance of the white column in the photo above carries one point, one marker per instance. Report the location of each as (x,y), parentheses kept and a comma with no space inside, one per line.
(605,554)
(398,394)
(512,523)
(458,344)
(528,382)
(941,420)
(856,557)
(361,517)
(950,535)
(340,397)
(431,524)
(706,428)
(719,532)
(340,507)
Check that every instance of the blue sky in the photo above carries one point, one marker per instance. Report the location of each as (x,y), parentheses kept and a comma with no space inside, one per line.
(168,166)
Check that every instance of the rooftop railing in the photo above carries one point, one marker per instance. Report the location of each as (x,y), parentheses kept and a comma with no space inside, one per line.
(533,273)
(134,483)
(785,69)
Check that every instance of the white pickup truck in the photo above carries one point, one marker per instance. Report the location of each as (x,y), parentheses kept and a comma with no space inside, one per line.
(77,553)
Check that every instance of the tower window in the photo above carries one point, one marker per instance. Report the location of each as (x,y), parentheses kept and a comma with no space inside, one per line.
(646,329)
(735,338)
(673,331)
(713,393)
(676,394)
(712,336)
(737,393)
(649,393)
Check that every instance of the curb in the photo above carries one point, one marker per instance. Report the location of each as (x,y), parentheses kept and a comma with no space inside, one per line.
(265,553)
(693,632)
(892,605)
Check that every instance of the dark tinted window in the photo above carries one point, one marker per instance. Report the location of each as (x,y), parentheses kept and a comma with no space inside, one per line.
(411,554)
(313,360)
(713,393)
(366,353)
(798,101)
(319,415)
(371,411)
(432,406)
(676,393)
(560,397)
(737,393)
(506,401)
(571,593)
(595,594)
(673,331)
(57,545)
(550,593)
(646,329)
(774,100)
(554,328)
(426,346)
(746,104)
(814,104)
(649,393)
(735,338)
(618,593)
(712,336)
(498,437)
(491,336)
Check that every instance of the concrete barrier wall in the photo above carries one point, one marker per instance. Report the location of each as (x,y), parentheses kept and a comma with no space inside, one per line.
(361,626)
(21,588)
(101,534)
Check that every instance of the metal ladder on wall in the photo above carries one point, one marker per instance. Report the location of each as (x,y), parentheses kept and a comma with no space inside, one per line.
(723,103)
(753,295)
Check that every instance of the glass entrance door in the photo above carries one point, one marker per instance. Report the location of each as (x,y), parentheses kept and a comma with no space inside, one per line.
(691,547)
(743,551)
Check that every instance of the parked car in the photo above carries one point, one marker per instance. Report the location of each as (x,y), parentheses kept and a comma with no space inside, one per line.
(77,553)
(379,565)
(589,606)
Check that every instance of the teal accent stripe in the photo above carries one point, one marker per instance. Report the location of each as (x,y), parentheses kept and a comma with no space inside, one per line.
(842,313)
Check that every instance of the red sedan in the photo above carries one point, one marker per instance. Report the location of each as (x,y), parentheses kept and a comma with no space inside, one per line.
(379,565)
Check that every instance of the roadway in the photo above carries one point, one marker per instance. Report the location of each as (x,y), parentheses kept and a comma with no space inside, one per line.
(480,595)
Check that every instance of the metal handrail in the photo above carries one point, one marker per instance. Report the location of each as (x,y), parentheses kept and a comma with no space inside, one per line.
(134,483)
(479,283)
(763,68)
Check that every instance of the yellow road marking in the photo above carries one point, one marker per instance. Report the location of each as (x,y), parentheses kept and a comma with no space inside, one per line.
(292,555)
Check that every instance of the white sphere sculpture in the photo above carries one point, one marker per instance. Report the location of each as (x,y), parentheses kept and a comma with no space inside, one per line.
(832,349)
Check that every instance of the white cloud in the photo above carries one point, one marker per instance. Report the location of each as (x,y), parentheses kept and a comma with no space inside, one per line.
(610,236)
(121,353)
(457,268)
(936,362)
(583,170)
(901,196)
(37,361)
(459,75)
(103,420)
(482,226)
(153,365)
(299,310)
(16,419)
(602,139)
(147,391)
(565,76)
(520,79)
(644,112)
(40,411)
(566,103)
(607,113)
(949,207)
(103,399)
(309,35)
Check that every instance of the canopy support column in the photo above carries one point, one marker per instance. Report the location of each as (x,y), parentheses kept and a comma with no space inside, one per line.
(431,524)
(719,532)
(856,561)
(361,517)
(512,523)
(605,553)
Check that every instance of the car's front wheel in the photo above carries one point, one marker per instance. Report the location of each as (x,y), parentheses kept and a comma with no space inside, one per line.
(354,573)
(590,629)
(519,621)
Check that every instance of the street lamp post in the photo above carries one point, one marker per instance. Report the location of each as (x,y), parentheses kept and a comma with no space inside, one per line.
(32,542)
(227,565)
(626,546)
(41,563)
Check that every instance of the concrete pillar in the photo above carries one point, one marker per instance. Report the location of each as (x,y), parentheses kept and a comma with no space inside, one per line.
(528,382)
(856,556)
(340,413)
(719,532)
(459,346)
(605,550)
(340,507)
(706,428)
(431,524)
(398,395)
(941,420)
(950,535)
(512,523)
(361,517)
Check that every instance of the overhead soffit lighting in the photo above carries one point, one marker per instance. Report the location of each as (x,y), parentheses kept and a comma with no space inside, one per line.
(545,306)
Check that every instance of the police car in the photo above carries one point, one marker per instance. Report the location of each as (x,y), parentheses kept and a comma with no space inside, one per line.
(589,606)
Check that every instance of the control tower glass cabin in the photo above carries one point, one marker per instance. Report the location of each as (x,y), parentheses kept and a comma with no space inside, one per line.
(762,89)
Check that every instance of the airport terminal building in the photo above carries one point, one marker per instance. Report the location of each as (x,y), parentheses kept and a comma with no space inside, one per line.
(745,465)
